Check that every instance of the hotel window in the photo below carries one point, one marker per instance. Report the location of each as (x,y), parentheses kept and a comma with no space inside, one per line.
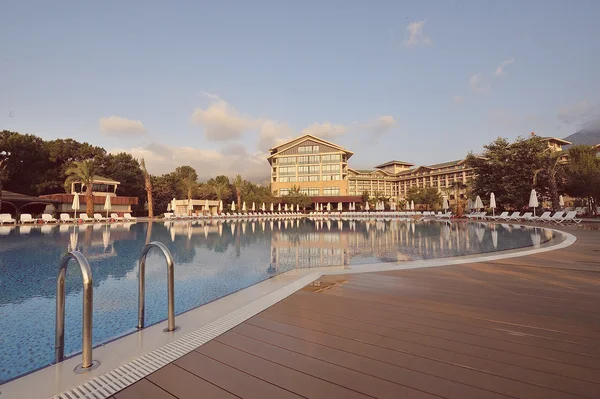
(330,168)
(287,171)
(314,159)
(303,160)
(313,191)
(302,170)
(304,190)
(310,149)
(331,191)
(330,177)
(331,158)
(287,161)
(314,170)
(284,191)
(313,178)
(302,178)
(287,179)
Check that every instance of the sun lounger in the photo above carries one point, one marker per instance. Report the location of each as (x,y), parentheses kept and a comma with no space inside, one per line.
(527,216)
(499,217)
(556,217)
(542,218)
(570,217)
(47,218)
(116,217)
(513,216)
(6,218)
(84,218)
(99,218)
(26,218)
(65,218)
(129,218)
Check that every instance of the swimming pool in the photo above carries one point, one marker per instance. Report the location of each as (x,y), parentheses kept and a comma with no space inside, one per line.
(212,259)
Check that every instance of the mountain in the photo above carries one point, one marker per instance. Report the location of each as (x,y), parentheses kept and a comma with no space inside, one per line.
(585,136)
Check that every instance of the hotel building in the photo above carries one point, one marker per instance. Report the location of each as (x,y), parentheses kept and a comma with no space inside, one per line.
(320,169)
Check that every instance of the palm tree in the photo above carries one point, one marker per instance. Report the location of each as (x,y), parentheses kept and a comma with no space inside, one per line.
(82,172)
(238,182)
(148,186)
(188,179)
(457,186)
(221,190)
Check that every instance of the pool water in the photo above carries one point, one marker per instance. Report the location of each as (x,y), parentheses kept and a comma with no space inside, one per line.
(212,259)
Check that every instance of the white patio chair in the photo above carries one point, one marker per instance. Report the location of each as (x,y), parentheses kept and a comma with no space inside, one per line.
(65,218)
(26,218)
(6,218)
(47,218)
(129,218)
(116,217)
(570,217)
(99,218)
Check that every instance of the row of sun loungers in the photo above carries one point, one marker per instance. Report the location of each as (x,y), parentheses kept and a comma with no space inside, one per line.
(547,217)
(249,215)
(64,218)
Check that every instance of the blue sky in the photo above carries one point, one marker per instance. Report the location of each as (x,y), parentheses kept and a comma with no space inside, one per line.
(214,84)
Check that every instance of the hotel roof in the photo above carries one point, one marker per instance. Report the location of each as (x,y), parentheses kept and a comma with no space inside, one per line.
(561,141)
(394,163)
(299,140)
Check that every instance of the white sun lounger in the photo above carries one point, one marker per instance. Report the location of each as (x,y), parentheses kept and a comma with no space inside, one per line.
(65,218)
(6,218)
(47,218)
(116,217)
(556,217)
(498,217)
(570,217)
(129,218)
(84,218)
(99,218)
(26,218)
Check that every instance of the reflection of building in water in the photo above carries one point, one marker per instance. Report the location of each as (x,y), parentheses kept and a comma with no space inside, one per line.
(297,249)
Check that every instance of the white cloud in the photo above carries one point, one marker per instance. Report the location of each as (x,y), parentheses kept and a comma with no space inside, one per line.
(273,133)
(500,69)
(230,160)
(118,126)
(458,100)
(325,130)
(221,121)
(578,113)
(416,35)
(478,84)
(380,125)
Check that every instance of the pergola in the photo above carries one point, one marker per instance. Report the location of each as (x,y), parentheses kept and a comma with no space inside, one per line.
(19,201)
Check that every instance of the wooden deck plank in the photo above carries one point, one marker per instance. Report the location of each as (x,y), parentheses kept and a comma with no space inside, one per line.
(354,331)
(490,349)
(566,353)
(185,385)
(370,366)
(231,379)
(143,389)
(284,377)
(327,371)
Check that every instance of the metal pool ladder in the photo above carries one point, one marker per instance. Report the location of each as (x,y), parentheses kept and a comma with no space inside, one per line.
(87,363)
(170,285)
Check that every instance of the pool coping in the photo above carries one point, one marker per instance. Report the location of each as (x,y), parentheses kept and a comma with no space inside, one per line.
(156,349)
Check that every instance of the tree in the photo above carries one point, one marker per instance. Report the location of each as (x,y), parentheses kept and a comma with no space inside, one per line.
(238,183)
(164,189)
(428,196)
(124,168)
(188,179)
(508,170)
(82,172)
(297,198)
(148,187)
(583,174)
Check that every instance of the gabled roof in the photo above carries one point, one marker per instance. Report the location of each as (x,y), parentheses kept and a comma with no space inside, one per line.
(445,164)
(394,163)
(557,140)
(299,140)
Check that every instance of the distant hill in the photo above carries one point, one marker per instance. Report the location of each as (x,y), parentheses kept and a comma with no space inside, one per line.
(585,136)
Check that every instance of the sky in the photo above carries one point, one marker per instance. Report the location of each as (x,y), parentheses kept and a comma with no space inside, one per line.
(214,85)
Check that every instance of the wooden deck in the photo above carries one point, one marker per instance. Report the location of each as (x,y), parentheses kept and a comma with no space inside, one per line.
(525,327)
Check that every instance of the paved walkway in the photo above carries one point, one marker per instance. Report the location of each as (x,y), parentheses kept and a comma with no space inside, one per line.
(525,327)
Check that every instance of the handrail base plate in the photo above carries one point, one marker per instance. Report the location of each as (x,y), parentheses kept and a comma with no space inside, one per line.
(80,370)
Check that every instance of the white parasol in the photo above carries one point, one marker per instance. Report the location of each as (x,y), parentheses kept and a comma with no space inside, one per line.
(493,204)
(107,206)
(533,201)
(75,204)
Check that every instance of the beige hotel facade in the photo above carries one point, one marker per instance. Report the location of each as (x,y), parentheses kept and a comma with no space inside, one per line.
(320,169)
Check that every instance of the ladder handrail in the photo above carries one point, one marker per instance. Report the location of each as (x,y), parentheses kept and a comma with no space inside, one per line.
(88,300)
(170,285)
